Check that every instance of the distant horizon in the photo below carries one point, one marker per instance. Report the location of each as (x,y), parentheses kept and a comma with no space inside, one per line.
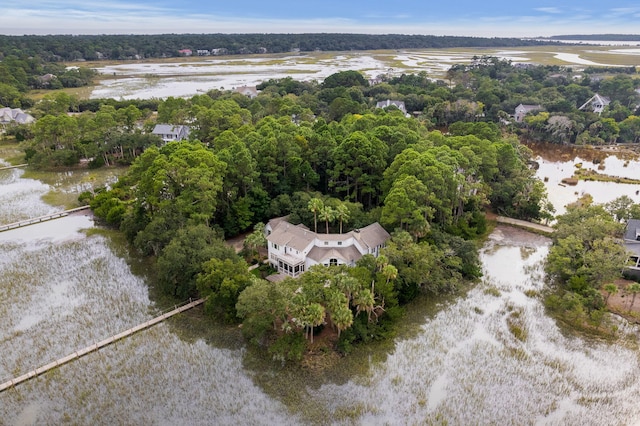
(586,37)
(464,18)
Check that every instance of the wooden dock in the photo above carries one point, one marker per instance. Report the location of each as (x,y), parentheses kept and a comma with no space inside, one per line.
(13,167)
(77,354)
(535,227)
(40,219)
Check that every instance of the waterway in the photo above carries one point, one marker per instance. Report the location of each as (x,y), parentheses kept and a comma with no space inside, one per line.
(490,355)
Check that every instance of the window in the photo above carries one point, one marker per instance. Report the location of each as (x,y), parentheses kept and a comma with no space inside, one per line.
(333,262)
(275,246)
(326,243)
(339,243)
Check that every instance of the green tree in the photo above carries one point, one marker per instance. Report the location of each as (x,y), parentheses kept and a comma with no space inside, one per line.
(611,289)
(221,282)
(633,289)
(328,214)
(342,214)
(316,206)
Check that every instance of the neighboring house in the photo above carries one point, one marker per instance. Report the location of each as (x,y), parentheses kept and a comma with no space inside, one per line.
(522,110)
(596,104)
(203,52)
(15,116)
(632,244)
(293,249)
(398,104)
(249,91)
(170,132)
(185,52)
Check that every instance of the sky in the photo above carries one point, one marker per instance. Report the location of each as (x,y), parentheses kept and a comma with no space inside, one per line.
(501,18)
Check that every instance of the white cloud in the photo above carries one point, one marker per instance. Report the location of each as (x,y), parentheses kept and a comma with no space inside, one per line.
(553,10)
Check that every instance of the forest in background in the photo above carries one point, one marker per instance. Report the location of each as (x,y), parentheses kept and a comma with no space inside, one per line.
(56,48)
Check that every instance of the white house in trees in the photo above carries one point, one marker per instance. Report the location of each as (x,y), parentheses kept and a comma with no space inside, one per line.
(596,103)
(293,249)
(170,132)
(522,110)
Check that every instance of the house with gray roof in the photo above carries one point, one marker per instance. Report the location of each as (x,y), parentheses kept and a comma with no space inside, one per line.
(15,116)
(631,241)
(522,110)
(293,249)
(596,104)
(398,104)
(171,132)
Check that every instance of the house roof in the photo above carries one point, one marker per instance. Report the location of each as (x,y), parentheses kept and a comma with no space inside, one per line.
(299,236)
(632,231)
(346,254)
(7,115)
(528,108)
(293,236)
(167,129)
(601,100)
(372,236)
(389,102)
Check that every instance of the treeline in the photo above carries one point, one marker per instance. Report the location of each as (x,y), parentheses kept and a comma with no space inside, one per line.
(53,48)
(21,73)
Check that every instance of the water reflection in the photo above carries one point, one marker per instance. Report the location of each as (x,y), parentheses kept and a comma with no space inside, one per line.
(557,162)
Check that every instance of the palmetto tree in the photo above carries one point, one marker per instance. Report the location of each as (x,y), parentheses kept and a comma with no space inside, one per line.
(611,289)
(328,215)
(342,213)
(634,289)
(315,205)
(364,301)
(342,318)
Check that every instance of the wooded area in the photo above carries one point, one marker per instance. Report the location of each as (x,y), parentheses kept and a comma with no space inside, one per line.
(55,48)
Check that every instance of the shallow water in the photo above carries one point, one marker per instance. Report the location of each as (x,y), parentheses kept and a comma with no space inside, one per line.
(557,163)
(184,79)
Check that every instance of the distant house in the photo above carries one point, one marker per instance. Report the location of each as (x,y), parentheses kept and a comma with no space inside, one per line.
(631,241)
(203,52)
(596,104)
(15,116)
(185,52)
(171,132)
(249,91)
(398,104)
(522,110)
(293,249)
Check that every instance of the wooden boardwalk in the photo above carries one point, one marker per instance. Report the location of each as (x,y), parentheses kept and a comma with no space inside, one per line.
(77,354)
(39,219)
(536,227)
(13,167)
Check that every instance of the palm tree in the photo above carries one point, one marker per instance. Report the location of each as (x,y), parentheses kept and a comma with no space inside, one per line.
(390,272)
(342,318)
(634,289)
(256,238)
(327,214)
(315,205)
(315,314)
(364,301)
(342,213)
(611,289)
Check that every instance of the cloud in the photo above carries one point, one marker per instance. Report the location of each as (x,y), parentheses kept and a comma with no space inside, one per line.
(552,10)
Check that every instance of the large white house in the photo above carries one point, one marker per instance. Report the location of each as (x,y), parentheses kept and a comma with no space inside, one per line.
(293,249)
